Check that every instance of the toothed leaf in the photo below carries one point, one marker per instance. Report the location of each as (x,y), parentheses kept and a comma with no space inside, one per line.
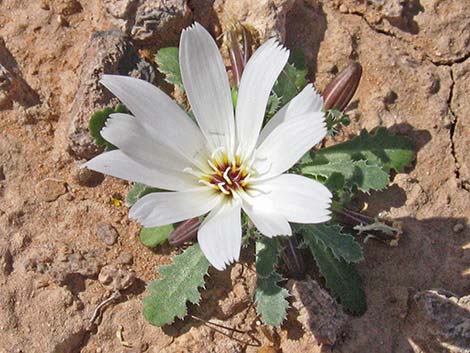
(267,251)
(138,191)
(274,103)
(167,60)
(382,148)
(97,122)
(340,277)
(355,173)
(151,237)
(179,284)
(271,300)
(331,236)
(290,82)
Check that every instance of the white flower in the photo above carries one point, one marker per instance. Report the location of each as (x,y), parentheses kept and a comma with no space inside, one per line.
(224,164)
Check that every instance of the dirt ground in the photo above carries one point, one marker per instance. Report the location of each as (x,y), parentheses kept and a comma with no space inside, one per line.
(53,260)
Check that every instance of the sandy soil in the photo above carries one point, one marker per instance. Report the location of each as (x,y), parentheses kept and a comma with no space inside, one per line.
(415,55)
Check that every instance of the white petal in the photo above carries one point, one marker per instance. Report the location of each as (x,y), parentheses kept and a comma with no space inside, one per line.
(220,235)
(256,83)
(299,199)
(264,215)
(164,119)
(307,101)
(163,208)
(287,143)
(119,165)
(125,132)
(206,83)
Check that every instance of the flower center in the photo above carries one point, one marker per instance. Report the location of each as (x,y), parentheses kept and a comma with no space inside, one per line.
(227,177)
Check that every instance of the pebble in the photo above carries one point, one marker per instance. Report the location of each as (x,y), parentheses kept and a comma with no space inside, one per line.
(50,189)
(88,177)
(107,233)
(459,227)
(116,278)
(125,258)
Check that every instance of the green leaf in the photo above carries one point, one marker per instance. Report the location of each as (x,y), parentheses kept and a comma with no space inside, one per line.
(167,60)
(342,245)
(274,103)
(271,300)
(97,122)
(355,173)
(290,82)
(179,284)
(340,277)
(138,191)
(381,148)
(151,237)
(267,251)
(269,297)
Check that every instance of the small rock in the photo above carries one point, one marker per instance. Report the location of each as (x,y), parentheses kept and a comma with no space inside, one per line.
(62,21)
(109,52)
(116,278)
(6,260)
(2,173)
(88,177)
(107,233)
(45,5)
(150,21)
(459,227)
(125,258)
(446,317)
(318,311)
(68,7)
(50,189)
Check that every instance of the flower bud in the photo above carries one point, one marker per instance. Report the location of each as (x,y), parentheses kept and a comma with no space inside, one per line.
(186,231)
(239,54)
(339,92)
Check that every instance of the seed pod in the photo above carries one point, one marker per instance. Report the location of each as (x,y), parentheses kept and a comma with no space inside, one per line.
(339,92)
(292,258)
(186,231)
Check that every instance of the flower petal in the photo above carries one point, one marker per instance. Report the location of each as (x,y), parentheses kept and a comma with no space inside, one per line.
(258,79)
(161,208)
(206,83)
(267,219)
(220,235)
(287,143)
(299,199)
(307,101)
(164,119)
(119,165)
(125,132)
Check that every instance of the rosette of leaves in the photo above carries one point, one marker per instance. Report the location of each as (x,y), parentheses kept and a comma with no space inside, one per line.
(359,165)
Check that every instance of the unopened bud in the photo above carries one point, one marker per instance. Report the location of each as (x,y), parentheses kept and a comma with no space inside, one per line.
(340,91)
(186,231)
(239,53)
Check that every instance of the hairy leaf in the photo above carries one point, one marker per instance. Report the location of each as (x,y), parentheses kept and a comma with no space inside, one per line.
(355,173)
(267,251)
(138,191)
(179,284)
(167,60)
(97,122)
(342,245)
(340,277)
(290,82)
(274,103)
(269,297)
(381,148)
(271,300)
(151,237)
